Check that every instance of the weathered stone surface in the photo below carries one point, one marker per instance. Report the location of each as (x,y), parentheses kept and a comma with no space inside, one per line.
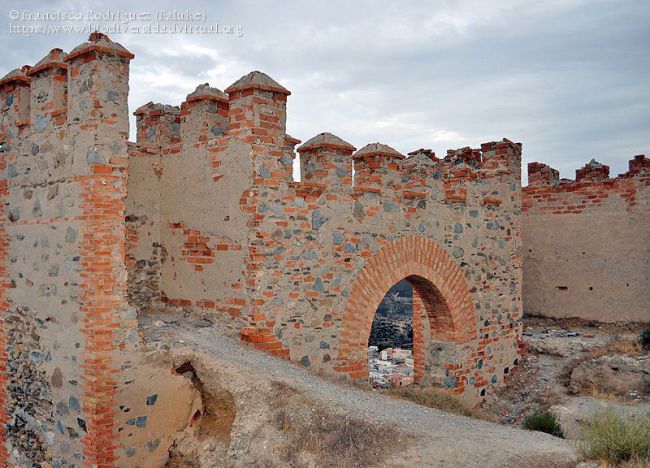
(616,374)
(74,363)
(201,214)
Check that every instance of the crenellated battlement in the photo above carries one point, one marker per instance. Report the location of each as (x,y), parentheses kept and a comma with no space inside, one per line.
(202,213)
(158,124)
(327,159)
(63,88)
(593,171)
(592,187)
(252,111)
(49,90)
(586,247)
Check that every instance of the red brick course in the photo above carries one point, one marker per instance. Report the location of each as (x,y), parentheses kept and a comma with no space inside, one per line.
(439,287)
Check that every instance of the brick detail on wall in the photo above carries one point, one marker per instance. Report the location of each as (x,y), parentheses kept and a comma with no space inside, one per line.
(586,242)
(263,338)
(104,295)
(4,256)
(437,281)
(198,248)
(547,194)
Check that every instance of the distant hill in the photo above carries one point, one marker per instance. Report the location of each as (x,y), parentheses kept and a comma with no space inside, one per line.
(392,326)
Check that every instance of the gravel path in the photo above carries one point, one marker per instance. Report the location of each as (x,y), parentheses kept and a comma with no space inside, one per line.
(442,439)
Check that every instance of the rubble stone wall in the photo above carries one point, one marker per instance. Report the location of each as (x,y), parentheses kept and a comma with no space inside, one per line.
(202,213)
(299,268)
(587,243)
(76,386)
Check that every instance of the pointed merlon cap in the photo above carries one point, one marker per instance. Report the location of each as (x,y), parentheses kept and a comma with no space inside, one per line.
(204,91)
(326,140)
(98,42)
(378,149)
(155,107)
(55,59)
(257,80)
(19,75)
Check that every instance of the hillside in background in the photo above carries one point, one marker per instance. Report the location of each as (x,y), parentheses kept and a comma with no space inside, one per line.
(392,326)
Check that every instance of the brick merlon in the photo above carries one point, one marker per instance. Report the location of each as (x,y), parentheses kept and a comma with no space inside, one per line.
(18,75)
(205,91)
(55,59)
(153,108)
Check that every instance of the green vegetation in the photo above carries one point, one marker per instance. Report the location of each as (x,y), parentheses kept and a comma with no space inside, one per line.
(387,334)
(544,422)
(392,326)
(616,439)
(645,338)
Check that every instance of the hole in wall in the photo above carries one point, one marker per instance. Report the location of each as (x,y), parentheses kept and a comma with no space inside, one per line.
(195,418)
(562,288)
(184,368)
(215,418)
(390,344)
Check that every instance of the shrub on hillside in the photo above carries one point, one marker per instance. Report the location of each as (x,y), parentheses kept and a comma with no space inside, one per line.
(544,422)
(645,338)
(616,439)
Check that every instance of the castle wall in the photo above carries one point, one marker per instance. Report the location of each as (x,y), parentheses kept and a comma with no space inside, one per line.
(76,386)
(586,243)
(202,213)
(277,261)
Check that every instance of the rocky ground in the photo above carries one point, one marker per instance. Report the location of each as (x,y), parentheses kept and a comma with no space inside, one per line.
(575,369)
(261,411)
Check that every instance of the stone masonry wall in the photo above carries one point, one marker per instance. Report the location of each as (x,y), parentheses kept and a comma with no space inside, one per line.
(202,213)
(587,243)
(298,268)
(76,387)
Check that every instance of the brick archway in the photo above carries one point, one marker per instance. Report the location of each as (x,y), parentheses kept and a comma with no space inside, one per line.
(439,291)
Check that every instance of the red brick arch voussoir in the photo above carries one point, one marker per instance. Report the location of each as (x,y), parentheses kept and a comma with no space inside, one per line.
(410,256)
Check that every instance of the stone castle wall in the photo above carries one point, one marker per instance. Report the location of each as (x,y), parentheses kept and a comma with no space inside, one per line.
(587,243)
(76,386)
(216,220)
(202,213)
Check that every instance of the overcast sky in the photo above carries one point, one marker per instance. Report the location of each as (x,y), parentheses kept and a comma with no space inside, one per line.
(570,79)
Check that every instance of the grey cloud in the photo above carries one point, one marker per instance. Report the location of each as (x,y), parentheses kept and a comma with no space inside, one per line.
(569,79)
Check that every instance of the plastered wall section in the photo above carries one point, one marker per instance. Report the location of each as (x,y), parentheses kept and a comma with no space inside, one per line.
(587,246)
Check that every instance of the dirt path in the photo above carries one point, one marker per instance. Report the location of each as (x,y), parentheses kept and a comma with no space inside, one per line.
(441,439)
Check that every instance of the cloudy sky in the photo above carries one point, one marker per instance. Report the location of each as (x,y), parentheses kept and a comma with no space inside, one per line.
(570,79)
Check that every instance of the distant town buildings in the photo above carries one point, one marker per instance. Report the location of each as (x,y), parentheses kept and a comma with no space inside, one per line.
(390,367)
